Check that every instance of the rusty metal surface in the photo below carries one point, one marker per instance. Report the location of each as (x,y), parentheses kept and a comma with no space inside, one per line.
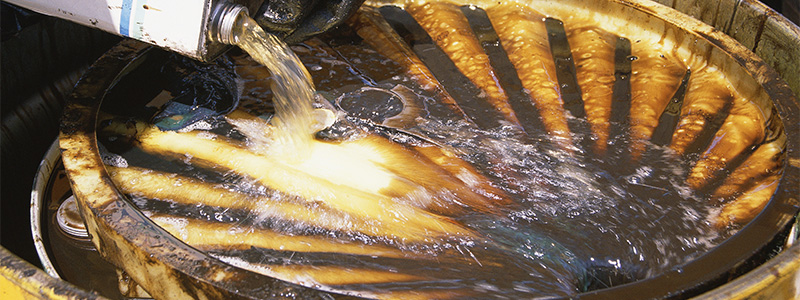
(21,280)
(772,36)
(776,279)
(776,40)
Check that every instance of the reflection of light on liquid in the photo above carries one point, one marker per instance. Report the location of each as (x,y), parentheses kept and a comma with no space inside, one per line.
(578,198)
(293,90)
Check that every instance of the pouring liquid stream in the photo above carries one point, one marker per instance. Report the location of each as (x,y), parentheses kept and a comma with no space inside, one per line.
(290,142)
(292,87)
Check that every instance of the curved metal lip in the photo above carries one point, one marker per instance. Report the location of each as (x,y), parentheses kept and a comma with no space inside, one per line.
(45,169)
(89,180)
(34,283)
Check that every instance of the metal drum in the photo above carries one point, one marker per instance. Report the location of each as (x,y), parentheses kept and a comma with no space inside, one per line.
(168,267)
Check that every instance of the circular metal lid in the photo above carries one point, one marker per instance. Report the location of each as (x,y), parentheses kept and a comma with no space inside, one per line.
(69,219)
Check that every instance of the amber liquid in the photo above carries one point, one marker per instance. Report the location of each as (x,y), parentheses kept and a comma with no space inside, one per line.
(292,88)
(573,222)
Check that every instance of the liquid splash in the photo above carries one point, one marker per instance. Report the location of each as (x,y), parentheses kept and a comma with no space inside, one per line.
(573,220)
(557,195)
(292,87)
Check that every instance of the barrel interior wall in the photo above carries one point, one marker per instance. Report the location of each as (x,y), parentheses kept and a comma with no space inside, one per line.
(776,49)
(41,61)
(690,46)
(685,40)
(758,26)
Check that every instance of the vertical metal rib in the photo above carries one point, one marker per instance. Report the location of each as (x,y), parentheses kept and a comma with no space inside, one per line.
(565,68)
(717,177)
(467,95)
(566,73)
(520,101)
(706,136)
(662,135)
(621,91)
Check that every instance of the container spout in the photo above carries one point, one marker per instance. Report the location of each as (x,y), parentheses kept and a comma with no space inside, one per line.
(223,20)
(197,29)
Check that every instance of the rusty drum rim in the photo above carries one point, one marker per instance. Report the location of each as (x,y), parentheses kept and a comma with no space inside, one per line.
(170,268)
